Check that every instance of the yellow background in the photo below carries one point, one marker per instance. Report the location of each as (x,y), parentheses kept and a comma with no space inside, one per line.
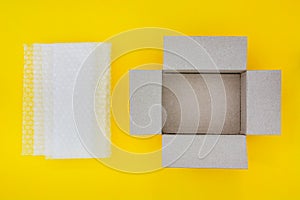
(273,30)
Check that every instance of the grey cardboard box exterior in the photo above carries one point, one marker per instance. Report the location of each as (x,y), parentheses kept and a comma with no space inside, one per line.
(263,102)
(205,98)
(205,53)
(145,102)
(204,151)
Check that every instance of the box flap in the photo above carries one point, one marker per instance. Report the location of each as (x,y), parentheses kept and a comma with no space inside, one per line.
(145,102)
(205,53)
(263,102)
(204,151)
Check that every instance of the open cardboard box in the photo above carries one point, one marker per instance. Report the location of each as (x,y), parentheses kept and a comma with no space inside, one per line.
(205,102)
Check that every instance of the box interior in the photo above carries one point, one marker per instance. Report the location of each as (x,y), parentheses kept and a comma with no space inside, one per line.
(202,102)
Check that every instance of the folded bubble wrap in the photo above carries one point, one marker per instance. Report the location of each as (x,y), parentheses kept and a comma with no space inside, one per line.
(66,106)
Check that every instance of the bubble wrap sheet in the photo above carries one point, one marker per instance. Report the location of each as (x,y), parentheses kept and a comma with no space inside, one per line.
(66,100)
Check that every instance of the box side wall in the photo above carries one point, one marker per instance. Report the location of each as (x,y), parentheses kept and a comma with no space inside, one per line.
(243,104)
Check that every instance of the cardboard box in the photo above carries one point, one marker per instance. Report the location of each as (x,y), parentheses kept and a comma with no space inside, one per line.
(207,95)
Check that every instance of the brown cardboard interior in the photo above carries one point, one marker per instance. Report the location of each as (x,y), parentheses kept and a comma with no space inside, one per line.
(201,102)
